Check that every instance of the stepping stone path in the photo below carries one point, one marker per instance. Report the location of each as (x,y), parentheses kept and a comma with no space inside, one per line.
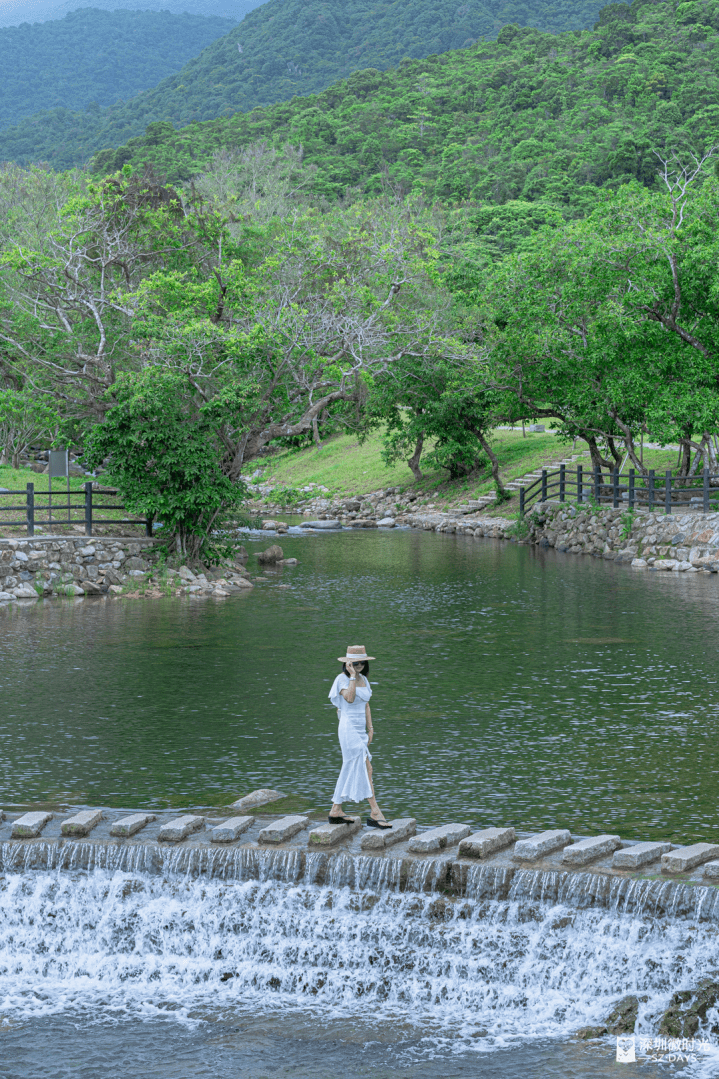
(30,825)
(180,828)
(641,854)
(82,823)
(329,835)
(381,838)
(587,850)
(283,829)
(529,850)
(686,858)
(131,825)
(439,838)
(489,840)
(231,829)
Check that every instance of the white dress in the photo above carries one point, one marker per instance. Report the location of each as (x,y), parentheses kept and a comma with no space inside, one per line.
(353,784)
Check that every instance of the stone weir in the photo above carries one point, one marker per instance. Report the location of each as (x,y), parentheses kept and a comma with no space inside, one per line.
(492,863)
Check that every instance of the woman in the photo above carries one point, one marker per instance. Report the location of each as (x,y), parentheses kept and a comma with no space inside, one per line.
(350,695)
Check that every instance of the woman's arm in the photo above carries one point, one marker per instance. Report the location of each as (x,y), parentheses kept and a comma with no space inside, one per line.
(351,691)
(368,721)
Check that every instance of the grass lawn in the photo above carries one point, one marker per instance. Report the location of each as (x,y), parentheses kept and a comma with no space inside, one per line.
(17,479)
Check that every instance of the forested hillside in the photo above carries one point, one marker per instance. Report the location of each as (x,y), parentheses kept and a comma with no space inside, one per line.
(92,58)
(530,116)
(282,49)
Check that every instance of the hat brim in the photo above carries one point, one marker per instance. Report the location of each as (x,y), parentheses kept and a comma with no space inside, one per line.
(355,659)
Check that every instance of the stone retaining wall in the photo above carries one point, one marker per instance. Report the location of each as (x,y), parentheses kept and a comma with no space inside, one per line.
(71,567)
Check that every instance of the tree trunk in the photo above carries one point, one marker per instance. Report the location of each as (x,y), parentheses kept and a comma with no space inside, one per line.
(502,491)
(316,434)
(597,459)
(16,460)
(414,459)
(614,452)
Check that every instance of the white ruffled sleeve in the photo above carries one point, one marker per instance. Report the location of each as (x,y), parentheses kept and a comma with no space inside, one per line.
(340,682)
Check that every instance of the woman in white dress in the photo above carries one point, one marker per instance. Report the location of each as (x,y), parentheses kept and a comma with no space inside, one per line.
(350,694)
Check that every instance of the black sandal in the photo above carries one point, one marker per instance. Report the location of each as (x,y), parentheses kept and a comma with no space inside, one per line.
(340,820)
(372,823)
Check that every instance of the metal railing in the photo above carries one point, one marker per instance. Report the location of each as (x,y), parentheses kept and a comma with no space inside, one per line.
(605,487)
(38,515)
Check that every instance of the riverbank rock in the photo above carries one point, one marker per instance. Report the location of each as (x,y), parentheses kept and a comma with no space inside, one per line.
(260,797)
(271,555)
(688,1008)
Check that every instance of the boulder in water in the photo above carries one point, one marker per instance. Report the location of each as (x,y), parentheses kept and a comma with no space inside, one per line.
(682,1021)
(271,555)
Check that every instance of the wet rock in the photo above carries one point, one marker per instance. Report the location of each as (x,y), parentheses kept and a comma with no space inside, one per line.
(288,562)
(82,823)
(585,1033)
(680,1021)
(271,555)
(128,826)
(623,1016)
(90,588)
(258,798)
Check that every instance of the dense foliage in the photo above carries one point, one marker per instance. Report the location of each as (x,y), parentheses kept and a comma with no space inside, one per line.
(530,117)
(285,48)
(93,58)
(17,12)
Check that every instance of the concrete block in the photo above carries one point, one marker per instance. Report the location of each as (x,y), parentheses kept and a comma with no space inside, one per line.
(128,826)
(640,854)
(489,840)
(82,823)
(231,829)
(586,850)
(439,838)
(282,829)
(180,828)
(329,835)
(685,858)
(258,798)
(711,870)
(380,838)
(30,825)
(528,850)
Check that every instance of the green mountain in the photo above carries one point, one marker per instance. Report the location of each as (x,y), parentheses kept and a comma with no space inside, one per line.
(282,49)
(16,12)
(531,117)
(95,57)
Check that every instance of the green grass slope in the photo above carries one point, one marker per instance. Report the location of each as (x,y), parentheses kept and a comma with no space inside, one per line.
(282,49)
(94,56)
(530,118)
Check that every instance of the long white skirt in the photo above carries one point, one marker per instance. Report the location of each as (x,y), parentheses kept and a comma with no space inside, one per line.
(353,784)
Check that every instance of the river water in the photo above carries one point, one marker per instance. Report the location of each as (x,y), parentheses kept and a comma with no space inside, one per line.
(512,686)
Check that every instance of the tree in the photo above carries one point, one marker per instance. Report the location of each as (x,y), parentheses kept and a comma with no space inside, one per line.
(25,417)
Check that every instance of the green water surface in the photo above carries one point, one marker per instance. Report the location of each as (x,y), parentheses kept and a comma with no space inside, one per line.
(511,686)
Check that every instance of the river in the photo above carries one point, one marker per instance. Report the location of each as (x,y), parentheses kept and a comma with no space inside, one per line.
(511,686)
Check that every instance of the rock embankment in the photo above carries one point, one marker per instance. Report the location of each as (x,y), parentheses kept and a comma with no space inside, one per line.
(57,566)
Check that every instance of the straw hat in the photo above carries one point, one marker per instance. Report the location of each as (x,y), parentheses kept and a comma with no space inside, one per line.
(355,654)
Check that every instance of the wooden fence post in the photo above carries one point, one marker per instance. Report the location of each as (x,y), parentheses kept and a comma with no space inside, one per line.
(650,489)
(597,485)
(88,509)
(668,491)
(30,510)
(544,485)
(705,492)
(521,501)
(631,488)
(615,486)
(561,482)
(579,484)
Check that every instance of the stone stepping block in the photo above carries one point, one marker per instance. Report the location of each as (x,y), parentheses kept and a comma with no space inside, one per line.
(381,838)
(329,835)
(439,838)
(82,823)
(180,828)
(230,830)
(685,858)
(282,829)
(711,870)
(30,825)
(529,850)
(587,850)
(639,855)
(258,798)
(128,826)
(489,840)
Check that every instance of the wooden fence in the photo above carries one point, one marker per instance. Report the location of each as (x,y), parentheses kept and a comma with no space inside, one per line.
(603,487)
(41,509)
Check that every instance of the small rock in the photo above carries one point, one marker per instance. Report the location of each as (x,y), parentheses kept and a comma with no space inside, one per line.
(386,522)
(638,563)
(323,525)
(258,798)
(90,588)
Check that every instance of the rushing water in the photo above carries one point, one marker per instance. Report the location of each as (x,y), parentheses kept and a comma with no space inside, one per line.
(512,686)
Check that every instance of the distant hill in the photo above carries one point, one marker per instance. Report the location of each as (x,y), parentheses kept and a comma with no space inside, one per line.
(94,57)
(524,123)
(282,49)
(16,12)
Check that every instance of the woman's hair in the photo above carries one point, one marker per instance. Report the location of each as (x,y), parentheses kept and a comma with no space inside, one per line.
(364,671)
